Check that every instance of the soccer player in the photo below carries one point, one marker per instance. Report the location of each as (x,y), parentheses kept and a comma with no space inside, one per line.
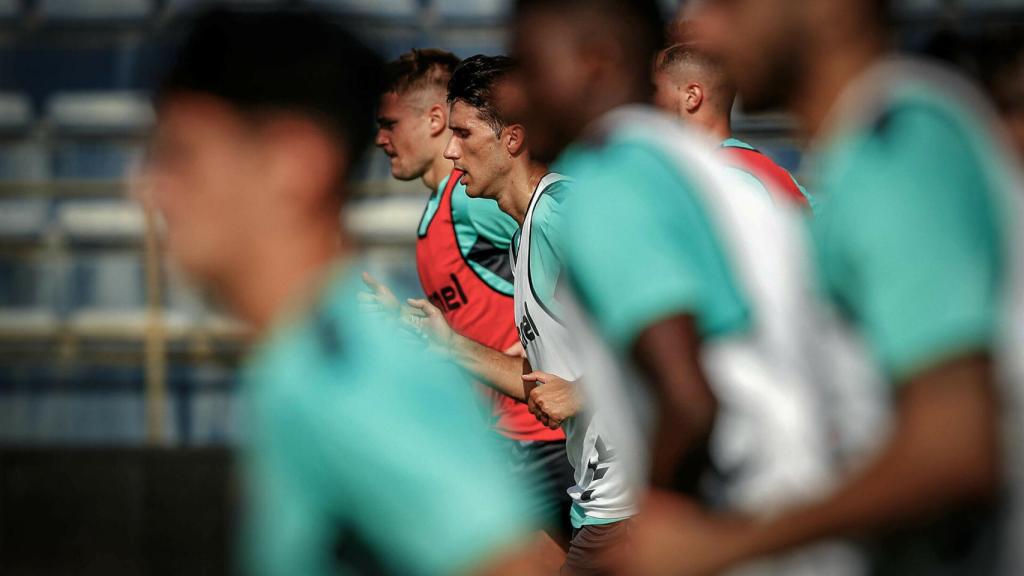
(362,455)
(692,84)
(462,255)
(917,244)
(492,150)
(692,281)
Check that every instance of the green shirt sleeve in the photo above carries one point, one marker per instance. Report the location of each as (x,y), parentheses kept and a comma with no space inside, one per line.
(640,248)
(919,232)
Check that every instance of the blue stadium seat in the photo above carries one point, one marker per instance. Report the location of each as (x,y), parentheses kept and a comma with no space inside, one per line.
(22,218)
(117,112)
(108,282)
(74,11)
(22,157)
(97,135)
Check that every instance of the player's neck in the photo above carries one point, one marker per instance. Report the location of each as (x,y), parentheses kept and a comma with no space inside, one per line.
(519,187)
(718,127)
(286,275)
(830,73)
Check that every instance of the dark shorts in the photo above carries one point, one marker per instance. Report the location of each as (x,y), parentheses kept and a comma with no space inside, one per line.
(544,469)
(589,547)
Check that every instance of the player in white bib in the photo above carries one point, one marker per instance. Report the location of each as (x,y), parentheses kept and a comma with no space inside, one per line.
(500,168)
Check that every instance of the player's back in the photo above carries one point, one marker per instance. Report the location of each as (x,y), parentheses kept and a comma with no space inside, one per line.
(365,454)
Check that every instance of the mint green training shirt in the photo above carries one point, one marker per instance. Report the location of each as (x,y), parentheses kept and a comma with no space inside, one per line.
(908,234)
(639,244)
(365,447)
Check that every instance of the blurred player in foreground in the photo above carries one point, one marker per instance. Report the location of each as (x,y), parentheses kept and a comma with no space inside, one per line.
(692,84)
(695,283)
(462,255)
(362,455)
(916,244)
(489,145)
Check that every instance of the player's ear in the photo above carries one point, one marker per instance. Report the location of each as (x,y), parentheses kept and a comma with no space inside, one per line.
(437,116)
(693,97)
(515,139)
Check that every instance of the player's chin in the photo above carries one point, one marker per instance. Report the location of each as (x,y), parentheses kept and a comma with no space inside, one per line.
(399,172)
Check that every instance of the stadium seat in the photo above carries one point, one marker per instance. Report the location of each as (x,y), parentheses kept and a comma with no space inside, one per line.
(22,157)
(97,135)
(100,221)
(15,112)
(95,10)
(108,281)
(22,218)
(99,112)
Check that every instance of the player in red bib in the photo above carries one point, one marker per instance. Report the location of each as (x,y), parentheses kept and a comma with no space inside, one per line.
(692,85)
(462,256)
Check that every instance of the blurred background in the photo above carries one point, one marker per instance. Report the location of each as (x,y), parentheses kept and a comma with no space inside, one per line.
(104,348)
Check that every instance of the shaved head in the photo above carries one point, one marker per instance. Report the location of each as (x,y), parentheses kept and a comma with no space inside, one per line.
(690,63)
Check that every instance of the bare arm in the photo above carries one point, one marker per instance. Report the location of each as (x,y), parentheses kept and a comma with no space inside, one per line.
(667,353)
(943,452)
(498,370)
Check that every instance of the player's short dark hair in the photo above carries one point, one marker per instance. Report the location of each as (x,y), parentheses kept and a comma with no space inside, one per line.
(640,24)
(295,60)
(419,69)
(474,82)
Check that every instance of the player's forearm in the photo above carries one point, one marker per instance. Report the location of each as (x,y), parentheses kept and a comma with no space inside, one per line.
(500,371)
(679,445)
(943,453)
(667,353)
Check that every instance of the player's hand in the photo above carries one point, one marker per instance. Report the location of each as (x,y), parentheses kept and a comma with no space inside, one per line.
(379,299)
(673,536)
(432,323)
(552,400)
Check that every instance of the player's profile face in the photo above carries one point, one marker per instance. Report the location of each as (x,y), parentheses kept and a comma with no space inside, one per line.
(205,171)
(475,149)
(403,128)
(760,42)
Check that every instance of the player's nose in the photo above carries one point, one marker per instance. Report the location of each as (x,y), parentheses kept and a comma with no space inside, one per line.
(451,151)
(381,140)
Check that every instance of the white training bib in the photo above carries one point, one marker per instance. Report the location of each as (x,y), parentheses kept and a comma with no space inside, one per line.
(601,488)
